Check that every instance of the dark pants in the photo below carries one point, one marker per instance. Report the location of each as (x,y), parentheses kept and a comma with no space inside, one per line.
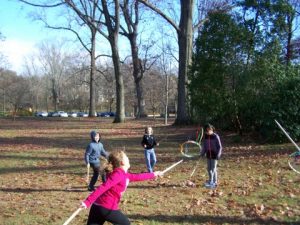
(98,215)
(96,169)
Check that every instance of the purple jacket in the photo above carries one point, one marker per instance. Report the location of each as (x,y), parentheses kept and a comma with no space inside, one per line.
(211,146)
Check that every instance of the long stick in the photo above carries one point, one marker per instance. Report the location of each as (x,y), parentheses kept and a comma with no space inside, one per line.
(72,216)
(87,173)
(171,167)
(287,135)
(194,169)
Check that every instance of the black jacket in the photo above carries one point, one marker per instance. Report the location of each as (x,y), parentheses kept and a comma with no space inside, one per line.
(149,141)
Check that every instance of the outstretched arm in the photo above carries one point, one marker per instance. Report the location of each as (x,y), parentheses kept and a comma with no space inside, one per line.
(112,180)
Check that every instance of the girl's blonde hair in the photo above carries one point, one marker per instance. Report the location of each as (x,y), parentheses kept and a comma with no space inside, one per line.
(114,160)
(147,130)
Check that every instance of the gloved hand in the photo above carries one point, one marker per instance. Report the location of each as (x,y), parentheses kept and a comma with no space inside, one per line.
(158,174)
(83,205)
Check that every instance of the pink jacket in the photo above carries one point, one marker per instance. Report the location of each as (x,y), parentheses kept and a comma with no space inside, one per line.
(108,195)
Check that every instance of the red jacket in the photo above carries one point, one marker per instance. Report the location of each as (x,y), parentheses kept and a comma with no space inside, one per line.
(109,194)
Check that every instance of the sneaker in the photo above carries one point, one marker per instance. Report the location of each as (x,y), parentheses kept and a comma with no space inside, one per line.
(208,184)
(213,186)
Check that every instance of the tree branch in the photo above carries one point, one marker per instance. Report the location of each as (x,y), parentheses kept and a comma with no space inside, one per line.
(158,11)
(42,6)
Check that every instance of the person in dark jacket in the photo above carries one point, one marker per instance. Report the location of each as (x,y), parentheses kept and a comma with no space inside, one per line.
(212,148)
(148,143)
(92,154)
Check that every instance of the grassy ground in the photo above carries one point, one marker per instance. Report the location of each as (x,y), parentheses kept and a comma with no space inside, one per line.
(42,176)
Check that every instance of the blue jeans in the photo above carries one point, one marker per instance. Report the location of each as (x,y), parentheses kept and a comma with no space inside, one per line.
(150,159)
(212,170)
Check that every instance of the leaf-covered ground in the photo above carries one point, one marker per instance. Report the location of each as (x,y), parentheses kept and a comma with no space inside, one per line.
(42,176)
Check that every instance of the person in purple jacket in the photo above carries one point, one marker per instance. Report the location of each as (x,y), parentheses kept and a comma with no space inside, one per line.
(104,201)
(212,148)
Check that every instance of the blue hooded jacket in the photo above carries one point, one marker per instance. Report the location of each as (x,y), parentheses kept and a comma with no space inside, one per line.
(94,150)
(212,146)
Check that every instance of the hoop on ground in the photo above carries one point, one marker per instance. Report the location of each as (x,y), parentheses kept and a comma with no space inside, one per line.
(294,162)
(190,149)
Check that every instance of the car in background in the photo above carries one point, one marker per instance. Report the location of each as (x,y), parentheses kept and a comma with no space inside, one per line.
(60,114)
(106,114)
(72,114)
(82,114)
(50,114)
(41,114)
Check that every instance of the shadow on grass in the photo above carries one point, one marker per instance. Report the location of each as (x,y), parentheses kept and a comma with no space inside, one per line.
(21,157)
(37,168)
(152,186)
(44,142)
(32,190)
(199,219)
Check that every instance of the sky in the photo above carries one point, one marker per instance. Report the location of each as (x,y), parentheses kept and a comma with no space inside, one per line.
(20,32)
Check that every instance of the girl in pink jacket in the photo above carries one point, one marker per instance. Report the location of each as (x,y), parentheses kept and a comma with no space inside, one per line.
(104,201)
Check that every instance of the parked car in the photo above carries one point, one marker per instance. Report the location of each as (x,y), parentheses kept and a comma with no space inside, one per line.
(106,114)
(41,114)
(60,114)
(82,114)
(50,114)
(72,114)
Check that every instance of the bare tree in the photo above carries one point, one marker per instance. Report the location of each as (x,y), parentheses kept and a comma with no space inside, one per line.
(185,39)
(131,13)
(87,14)
(112,23)
(185,30)
(291,19)
(16,90)
(54,62)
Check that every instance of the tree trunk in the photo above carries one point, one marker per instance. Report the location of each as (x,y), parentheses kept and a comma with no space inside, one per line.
(113,34)
(92,107)
(185,40)
(289,53)
(137,77)
(120,112)
(54,95)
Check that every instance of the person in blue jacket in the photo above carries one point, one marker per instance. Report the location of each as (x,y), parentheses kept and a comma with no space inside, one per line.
(212,148)
(92,154)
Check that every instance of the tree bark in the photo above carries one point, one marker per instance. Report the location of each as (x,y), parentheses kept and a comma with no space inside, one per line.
(113,26)
(132,33)
(92,108)
(137,74)
(185,41)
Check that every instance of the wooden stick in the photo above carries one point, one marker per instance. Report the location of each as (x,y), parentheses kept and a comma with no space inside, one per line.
(72,216)
(288,136)
(171,167)
(194,169)
(87,173)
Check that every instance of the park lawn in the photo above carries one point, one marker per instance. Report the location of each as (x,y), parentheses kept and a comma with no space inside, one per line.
(42,176)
